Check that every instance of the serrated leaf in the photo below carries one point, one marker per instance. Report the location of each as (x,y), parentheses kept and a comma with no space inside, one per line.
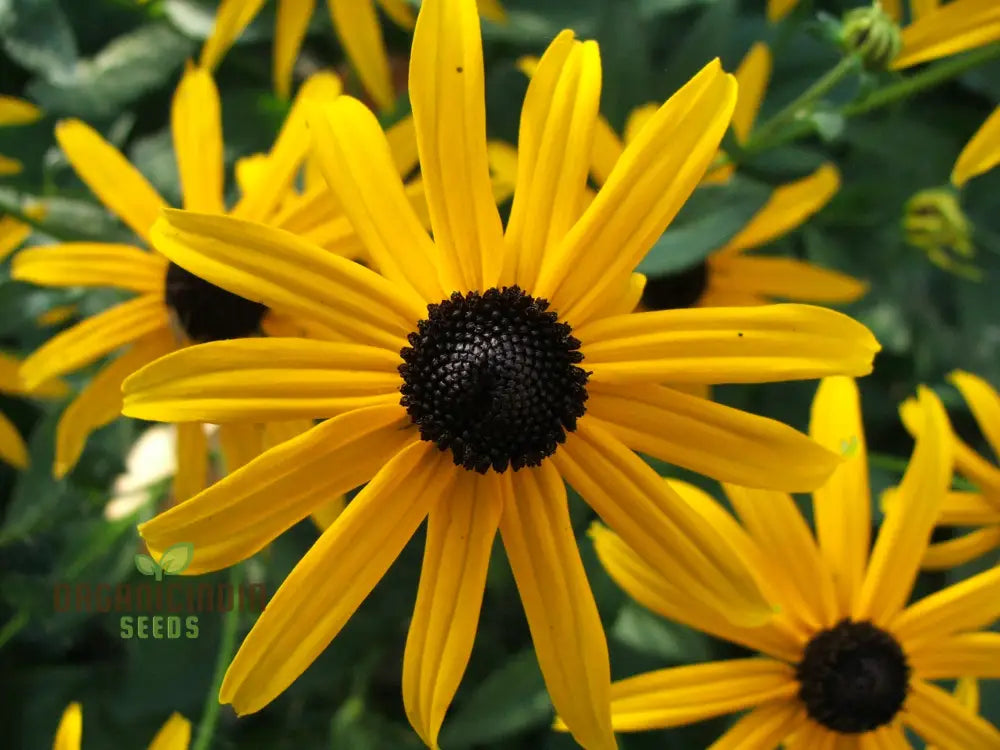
(37,34)
(709,219)
(146,564)
(177,558)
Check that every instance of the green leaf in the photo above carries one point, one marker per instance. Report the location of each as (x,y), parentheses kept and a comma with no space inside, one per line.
(710,218)
(702,42)
(507,702)
(177,558)
(645,632)
(146,564)
(625,60)
(38,36)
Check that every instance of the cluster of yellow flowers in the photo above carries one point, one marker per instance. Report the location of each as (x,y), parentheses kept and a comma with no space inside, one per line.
(463,371)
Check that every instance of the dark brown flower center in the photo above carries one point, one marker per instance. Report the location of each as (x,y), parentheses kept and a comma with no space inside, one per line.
(208,313)
(676,290)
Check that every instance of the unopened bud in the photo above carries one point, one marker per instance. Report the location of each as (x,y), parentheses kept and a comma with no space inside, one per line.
(935,223)
(871,34)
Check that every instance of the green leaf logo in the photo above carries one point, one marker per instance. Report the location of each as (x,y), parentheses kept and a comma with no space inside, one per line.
(849,447)
(147,566)
(177,558)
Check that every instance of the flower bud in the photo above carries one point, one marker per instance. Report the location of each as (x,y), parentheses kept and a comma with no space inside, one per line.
(871,34)
(934,222)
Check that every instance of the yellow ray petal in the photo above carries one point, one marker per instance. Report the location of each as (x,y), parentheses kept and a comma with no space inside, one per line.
(492,10)
(778,9)
(14,111)
(893,9)
(116,183)
(650,182)
(683,695)
(951,29)
(962,549)
(355,159)
(554,154)
(399,11)
(940,719)
(449,110)
(12,448)
(726,345)
(890,737)
(764,727)
(289,31)
(243,512)
(663,529)
(95,337)
(906,530)
(192,462)
(969,509)
(70,731)
(984,402)
(334,577)
(262,379)
(11,382)
(503,168)
(175,734)
(290,275)
(232,17)
(783,278)
(101,401)
(402,140)
(92,264)
(608,148)
(9,166)
(788,207)
(970,654)
(565,626)
(12,234)
(920,8)
(240,443)
(752,75)
(842,506)
(196,125)
(711,439)
(637,119)
(981,153)
(460,534)
(357,27)
(970,604)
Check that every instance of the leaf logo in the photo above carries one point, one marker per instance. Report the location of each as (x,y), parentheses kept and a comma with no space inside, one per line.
(849,447)
(173,561)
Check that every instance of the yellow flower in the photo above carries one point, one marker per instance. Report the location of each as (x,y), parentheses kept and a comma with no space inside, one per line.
(12,234)
(12,447)
(845,663)
(15,111)
(979,508)
(355,22)
(947,30)
(778,9)
(171,307)
(501,398)
(175,734)
(980,154)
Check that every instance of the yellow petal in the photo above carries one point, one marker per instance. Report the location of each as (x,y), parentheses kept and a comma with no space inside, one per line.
(460,534)
(984,402)
(232,17)
(778,9)
(12,384)
(962,549)
(503,167)
(981,153)
(289,31)
(650,182)
(752,75)
(782,278)
(940,719)
(842,506)
(334,577)
(175,734)
(196,125)
(262,379)
(637,119)
(684,695)
(656,589)
(355,159)
(951,29)
(969,509)
(357,27)
(115,182)
(399,11)
(491,10)
(12,234)
(711,439)
(324,516)
(240,443)
(893,9)
(764,727)
(14,111)
(763,344)
(70,731)
(243,512)
(906,530)
(562,616)
(608,148)
(192,462)
(101,401)
(971,654)
(12,448)
(891,737)
(663,529)
(92,264)
(402,140)
(290,275)
(9,166)
(449,111)
(554,153)
(972,603)
(788,207)
(95,337)
(920,8)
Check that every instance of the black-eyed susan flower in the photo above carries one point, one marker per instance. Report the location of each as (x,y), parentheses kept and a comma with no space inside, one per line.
(939,30)
(14,111)
(175,734)
(965,508)
(481,370)
(355,22)
(12,448)
(172,307)
(845,663)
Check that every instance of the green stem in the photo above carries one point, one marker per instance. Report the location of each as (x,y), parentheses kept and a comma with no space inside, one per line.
(14,626)
(227,643)
(898,466)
